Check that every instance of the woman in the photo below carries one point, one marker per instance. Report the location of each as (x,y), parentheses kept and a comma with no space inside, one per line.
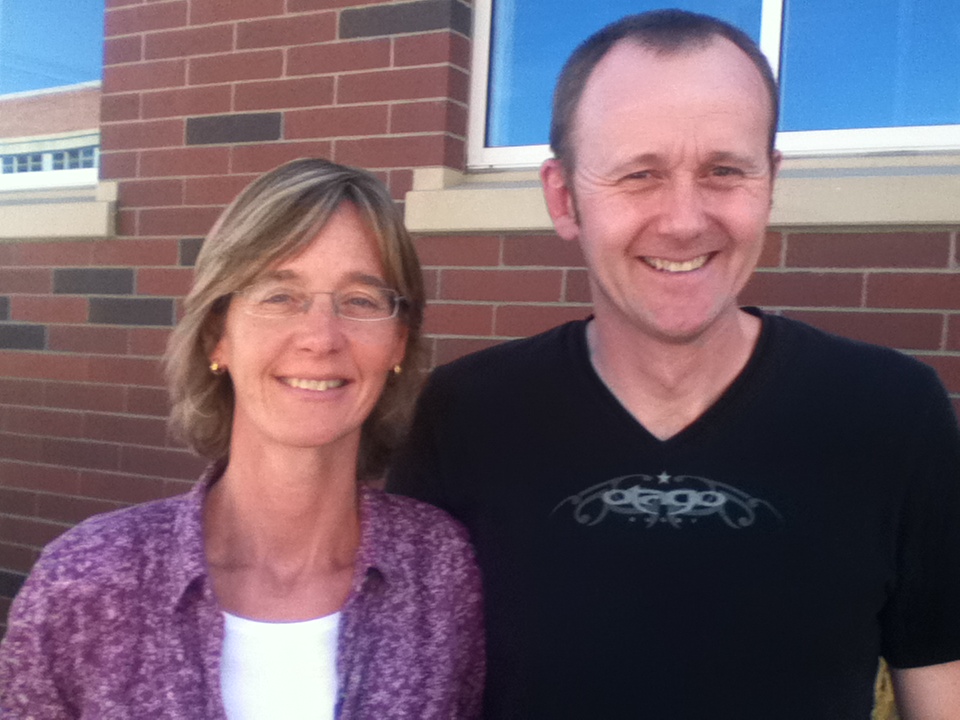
(279,587)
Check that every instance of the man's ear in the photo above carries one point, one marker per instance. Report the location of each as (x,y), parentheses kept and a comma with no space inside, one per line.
(558,194)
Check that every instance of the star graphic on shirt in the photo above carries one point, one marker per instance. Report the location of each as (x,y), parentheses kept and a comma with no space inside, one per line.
(663,478)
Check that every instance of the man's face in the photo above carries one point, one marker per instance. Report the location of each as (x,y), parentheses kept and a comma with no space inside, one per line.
(671,187)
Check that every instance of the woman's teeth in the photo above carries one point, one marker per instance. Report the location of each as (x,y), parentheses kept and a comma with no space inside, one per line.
(676,267)
(318,385)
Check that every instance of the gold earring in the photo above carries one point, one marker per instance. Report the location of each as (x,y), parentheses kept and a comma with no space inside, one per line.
(397,369)
(216,368)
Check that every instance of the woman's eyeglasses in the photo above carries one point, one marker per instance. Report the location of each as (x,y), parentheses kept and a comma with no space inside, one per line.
(364,303)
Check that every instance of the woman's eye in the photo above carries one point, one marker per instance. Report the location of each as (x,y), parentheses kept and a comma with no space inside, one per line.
(361,300)
(277,299)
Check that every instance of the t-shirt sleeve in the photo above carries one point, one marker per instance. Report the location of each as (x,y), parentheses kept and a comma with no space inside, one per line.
(921,620)
(416,471)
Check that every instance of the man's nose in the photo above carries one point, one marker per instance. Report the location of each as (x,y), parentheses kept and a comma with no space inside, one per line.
(682,210)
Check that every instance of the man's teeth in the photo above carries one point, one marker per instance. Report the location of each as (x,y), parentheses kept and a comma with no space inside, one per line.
(676,267)
(319,385)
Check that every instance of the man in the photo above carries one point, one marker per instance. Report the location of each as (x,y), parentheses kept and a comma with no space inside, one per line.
(684,509)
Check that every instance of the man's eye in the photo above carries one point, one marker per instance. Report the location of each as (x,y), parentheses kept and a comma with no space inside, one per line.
(725,171)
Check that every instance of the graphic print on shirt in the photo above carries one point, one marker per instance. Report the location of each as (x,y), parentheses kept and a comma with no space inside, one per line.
(666,499)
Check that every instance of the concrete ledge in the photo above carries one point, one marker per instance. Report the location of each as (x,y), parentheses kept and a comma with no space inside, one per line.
(894,190)
(58,214)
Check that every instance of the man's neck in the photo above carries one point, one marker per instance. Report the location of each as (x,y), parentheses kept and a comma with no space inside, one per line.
(666,386)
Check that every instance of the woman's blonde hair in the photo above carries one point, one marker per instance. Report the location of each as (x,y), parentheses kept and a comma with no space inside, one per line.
(273,219)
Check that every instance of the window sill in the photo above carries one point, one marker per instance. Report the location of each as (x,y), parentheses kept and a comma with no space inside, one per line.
(58,213)
(853,191)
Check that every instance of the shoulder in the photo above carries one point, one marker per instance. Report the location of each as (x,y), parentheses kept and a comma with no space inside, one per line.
(411,526)
(841,360)
(513,361)
(109,547)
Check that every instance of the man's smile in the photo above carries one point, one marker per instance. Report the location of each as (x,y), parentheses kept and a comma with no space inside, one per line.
(675,266)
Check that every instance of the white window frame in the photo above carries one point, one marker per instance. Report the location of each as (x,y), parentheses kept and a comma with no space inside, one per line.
(935,138)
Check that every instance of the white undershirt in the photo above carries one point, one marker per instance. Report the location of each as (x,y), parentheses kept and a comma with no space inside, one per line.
(273,670)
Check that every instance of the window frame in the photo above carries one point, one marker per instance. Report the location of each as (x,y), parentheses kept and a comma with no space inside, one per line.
(800,144)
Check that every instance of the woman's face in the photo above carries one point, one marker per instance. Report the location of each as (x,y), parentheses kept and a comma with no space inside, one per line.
(310,379)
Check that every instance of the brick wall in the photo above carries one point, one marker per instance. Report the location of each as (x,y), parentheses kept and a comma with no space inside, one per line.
(199,96)
(49,112)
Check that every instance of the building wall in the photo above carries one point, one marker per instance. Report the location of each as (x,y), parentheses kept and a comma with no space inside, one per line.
(200,96)
(49,112)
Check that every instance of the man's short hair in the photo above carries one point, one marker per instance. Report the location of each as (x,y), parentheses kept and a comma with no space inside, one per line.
(662,31)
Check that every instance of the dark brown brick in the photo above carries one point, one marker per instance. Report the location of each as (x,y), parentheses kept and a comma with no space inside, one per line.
(526,320)
(409,17)
(541,250)
(218,129)
(4,308)
(914,290)
(904,331)
(458,319)
(93,281)
(462,250)
(21,336)
(131,311)
(799,289)
(501,285)
(89,339)
(189,248)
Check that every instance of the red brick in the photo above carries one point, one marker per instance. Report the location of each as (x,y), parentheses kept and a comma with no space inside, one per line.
(186,102)
(279,94)
(449,349)
(947,367)
(254,65)
(126,223)
(151,193)
(135,135)
(431,284)
(16,446)
(429,115)
(20,392)
(139,251)
(770,256)
(144,76)
(266,156)
(71,509)
(431,49)
(48,309)
(29,531)
(287,31)
(953,335)
(164,281)
(803,289)
(81,453)
(126,429)
(501,285)
(331,122)
(47,478)
(576,286)
(541,251)
(148,401)
(905,331)
(399,151)
(114,108)
(182,221)
(148,341)
(185,161)
(21,280)
(56,254)
(120,487)
(865,250)
(84,396)
(152,16)
(339,57)
(407,84)
(116,165)
(88,339)
(15,501)
(41,422)
(43,365)
(215,190)
(306,5)
(162,462)
(463,250)
(212,11)
(458,319)
(914,290)
(188,42)
(134,371)
(122,50)
(399,183)
(526,320)
(122,3)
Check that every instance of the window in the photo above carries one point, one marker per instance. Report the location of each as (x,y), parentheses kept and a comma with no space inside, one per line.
(855,77)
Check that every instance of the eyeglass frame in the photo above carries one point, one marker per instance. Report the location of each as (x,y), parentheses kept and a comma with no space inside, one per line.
(397,300)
